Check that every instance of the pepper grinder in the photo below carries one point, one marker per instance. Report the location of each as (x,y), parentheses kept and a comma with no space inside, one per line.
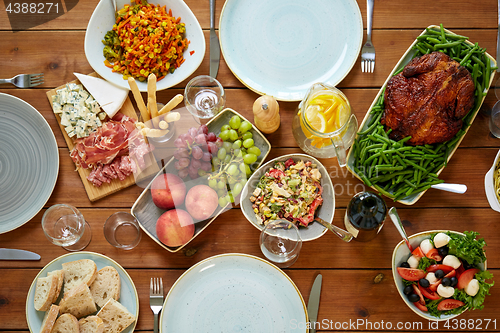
(266,114)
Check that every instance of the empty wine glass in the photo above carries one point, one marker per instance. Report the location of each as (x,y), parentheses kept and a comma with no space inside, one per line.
(65,226)
(204,97)
(280,242)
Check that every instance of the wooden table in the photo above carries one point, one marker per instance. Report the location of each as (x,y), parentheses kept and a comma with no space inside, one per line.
(351,292)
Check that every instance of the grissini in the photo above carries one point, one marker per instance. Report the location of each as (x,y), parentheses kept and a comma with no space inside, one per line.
(152,106)
(171,104)
(138,99)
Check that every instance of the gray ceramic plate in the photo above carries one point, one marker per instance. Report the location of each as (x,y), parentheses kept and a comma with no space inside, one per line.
(325,211)
(29,162)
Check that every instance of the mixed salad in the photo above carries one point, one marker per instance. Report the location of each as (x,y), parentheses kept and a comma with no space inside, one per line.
(442,275)
(289,190)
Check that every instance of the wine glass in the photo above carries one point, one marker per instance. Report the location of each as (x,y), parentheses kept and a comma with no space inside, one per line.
(65,226)
(204,97)
(280,242)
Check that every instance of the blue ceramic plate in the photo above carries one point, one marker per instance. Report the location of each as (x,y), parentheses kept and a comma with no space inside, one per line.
(128,293)
(282,47)
(29,162)
(233,293)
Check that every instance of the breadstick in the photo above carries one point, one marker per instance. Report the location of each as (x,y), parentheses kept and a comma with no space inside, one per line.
(163,124)
(152,107)
(172,116)
(138,99)
(171,104)
(157,132)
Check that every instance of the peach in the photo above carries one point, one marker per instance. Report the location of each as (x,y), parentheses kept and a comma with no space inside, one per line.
(175,227)
(168,191)
(201,202)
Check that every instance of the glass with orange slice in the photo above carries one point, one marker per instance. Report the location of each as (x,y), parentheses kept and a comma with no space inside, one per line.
(324,126)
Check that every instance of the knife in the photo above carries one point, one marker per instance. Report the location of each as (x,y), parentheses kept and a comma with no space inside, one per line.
(214,43)
(13,254)
(498,37)
(313,303)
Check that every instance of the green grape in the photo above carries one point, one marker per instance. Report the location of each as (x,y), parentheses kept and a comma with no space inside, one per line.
(237,189)
(222,201)
(247,170)
(202,173)
(221,184)
(247,135)
(235,122)
(242,167)
(237,144)
(232,170)
(227,159)
(232,180)
(229,197)
(254,150)
(222,192)
(215,161)
(225,128)
(233,135)
(237,153)
(227,146)
(243,151)
(224,135)
(221,154)
(248,143)
(212,183)
(249,158)
(245,127)
(244,180)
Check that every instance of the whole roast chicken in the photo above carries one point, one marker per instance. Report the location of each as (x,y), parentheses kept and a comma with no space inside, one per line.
(428,99)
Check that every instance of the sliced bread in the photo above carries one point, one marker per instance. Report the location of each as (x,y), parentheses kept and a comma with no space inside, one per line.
(77,272)
(78,301)
(91,324)
(60,279)
(66,323)
(45,290)
(115,316)
(105,286)
(49,319)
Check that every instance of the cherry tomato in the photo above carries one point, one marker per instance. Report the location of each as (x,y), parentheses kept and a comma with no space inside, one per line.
(427,293)
(465,277)
(445,268)
(460,270)
(418,252)
(434,254)
(449,304)
(411,274)
(420,306)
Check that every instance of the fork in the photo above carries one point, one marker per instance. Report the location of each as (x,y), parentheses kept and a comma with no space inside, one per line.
(156,299)
(25,80)
(368,50)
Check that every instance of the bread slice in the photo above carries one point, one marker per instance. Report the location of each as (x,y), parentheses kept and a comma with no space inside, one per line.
(91,324)
(78,301)
(45,290)
(60,279)
(115,316)
(49,319)
(105,286)
(66,323)
(79,271)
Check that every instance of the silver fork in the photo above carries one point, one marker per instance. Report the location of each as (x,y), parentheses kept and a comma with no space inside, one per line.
(25,80)
(156,299)
(368,50)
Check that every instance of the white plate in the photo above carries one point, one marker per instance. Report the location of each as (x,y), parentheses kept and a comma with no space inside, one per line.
(29,162)
(102,21)
(128,293)
(489,186)
(233,293)
(325,211)
(282,47)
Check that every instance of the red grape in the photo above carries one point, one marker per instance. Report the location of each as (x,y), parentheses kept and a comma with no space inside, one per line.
(196,152)
(211,137)
(203,129)
(212,148)
(193,131)
(206,166)
(180,153)
(196,164)
(183,173)
(206,157)
(179,143)
(200,139)
(219,142)
(193,172)
(183,163)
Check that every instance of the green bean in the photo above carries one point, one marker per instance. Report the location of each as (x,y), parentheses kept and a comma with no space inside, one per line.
(447,45)
(372,126)
(388,168)
(363,177)
(384,192)
(486,81)
(467,56)
(434,40)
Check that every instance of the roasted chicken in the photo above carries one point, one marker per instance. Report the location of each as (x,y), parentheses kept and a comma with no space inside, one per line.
(428,99)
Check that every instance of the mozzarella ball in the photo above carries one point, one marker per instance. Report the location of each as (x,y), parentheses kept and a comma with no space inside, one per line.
(413,261)
(426,246)
(451,260)
(445,292)
(431,278)
(472,288)
(441,239)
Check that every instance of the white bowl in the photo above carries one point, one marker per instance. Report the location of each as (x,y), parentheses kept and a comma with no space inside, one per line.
(102,21)
(489,186)
(401,253)
(325,211)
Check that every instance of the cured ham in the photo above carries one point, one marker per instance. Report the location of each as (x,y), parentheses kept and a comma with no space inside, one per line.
(121,167)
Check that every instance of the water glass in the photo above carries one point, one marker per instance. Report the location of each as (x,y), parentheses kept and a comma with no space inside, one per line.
(204,97)
(65,226)
(280,242)
(495,120)
(122,231)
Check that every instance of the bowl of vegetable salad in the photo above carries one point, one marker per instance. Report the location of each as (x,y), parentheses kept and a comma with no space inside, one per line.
(445,274)
(296,187)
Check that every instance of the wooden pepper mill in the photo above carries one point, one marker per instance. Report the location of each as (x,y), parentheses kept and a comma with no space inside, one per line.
(266,114)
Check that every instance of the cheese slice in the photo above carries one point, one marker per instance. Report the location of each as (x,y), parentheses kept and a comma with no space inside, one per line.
(109,96)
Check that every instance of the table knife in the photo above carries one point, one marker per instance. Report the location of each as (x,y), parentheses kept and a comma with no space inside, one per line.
(313,303)
(214,43)
(498,37)
(13,254)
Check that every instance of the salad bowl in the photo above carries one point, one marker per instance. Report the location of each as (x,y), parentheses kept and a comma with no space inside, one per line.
(489,185)
(325,211)
(401,253)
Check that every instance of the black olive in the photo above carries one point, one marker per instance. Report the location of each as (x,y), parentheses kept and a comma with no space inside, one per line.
(413,297)
(405,265)
(454,281)
(439,274)
(443,251)
(424,283)
(446,282)
(408,290)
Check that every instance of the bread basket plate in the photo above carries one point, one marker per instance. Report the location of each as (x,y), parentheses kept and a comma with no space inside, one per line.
(128,293)
(405,59)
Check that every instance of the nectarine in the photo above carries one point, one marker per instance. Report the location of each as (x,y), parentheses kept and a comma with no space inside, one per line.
(168,191)
(175,227)
(201,202)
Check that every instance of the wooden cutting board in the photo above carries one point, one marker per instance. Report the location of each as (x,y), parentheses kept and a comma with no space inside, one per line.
(95,193)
